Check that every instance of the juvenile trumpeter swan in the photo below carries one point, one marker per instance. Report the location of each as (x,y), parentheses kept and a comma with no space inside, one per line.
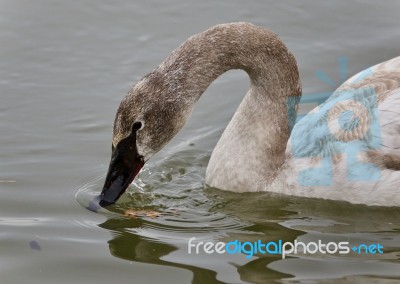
(348,148)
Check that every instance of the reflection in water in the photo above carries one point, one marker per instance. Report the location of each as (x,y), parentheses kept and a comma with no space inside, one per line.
(187,209)
(131,241)
(129,246)
(271,218)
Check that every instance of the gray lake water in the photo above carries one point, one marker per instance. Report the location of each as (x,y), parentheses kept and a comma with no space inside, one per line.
(65,66)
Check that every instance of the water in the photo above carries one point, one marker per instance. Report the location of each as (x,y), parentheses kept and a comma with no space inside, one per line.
(64,68)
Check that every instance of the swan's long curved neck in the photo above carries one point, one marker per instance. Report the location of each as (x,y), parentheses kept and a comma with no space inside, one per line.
(256,137)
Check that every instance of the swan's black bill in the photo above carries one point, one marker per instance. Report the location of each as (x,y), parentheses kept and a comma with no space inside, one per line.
(124,166)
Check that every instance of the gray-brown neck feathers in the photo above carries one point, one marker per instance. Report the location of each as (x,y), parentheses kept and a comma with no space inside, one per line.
(193,66)
(251,149)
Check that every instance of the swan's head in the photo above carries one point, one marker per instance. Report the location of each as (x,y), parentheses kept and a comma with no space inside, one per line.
(146,120)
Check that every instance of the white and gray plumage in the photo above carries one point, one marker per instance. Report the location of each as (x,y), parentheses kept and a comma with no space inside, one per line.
(346,149)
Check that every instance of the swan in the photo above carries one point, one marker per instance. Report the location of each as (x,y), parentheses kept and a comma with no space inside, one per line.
(347,149)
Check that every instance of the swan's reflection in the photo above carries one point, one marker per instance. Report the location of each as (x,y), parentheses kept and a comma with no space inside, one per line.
(127,245)
(130,246)
(263,217)
(148,240)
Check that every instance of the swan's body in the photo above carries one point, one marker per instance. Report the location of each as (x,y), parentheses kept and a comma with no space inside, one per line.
(330,153)
(359,166)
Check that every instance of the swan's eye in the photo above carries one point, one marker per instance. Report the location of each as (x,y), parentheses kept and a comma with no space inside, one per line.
(137,126)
